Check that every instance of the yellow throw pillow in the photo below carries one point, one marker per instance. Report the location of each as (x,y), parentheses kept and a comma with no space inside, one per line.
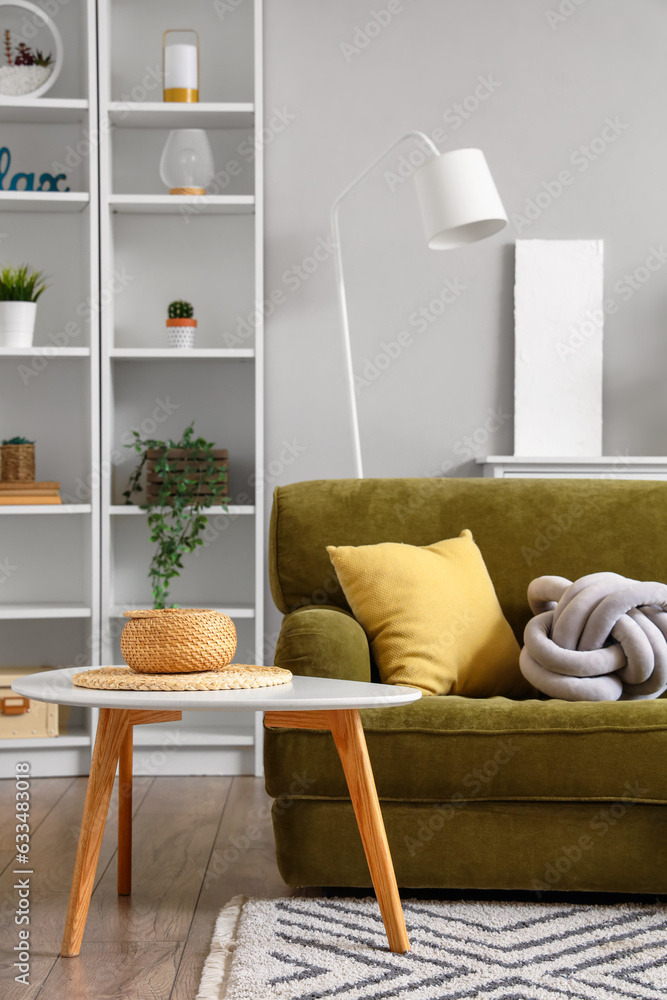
(432,616)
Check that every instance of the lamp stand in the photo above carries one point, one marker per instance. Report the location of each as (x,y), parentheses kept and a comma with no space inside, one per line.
(342,299)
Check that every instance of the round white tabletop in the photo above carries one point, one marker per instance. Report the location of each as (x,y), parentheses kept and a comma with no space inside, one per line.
(302,694)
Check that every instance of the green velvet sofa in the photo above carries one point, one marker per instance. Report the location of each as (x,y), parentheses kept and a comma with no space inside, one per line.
(476,793)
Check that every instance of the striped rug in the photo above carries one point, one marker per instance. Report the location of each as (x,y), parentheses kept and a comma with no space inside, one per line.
(312,949)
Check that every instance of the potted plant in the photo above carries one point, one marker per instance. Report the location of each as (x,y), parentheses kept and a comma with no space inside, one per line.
(20,288)
(17,460)
(181,325)
(27,72)
(182,479)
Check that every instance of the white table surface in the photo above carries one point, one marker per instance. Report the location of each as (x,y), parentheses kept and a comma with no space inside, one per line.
(302,694)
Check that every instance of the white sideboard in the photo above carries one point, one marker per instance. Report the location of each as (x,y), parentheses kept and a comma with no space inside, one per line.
(607,467)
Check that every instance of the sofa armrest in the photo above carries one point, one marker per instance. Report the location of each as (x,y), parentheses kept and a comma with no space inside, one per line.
(324,642)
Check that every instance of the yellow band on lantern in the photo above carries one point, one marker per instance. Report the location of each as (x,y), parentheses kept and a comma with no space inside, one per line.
(181,94)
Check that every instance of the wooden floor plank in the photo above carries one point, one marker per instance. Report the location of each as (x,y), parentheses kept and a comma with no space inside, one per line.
(52,854)
(197,843)
(40,967)
(170,857)
(195,796)
(234,869)
(248,813)
(44,793)
(141,970)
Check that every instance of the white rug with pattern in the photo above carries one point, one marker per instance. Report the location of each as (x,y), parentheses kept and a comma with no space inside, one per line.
(312,949)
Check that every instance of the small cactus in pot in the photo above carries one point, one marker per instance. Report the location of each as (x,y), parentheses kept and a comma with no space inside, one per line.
(181,324)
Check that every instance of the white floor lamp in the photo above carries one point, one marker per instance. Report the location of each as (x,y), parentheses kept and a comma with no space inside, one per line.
(459,204)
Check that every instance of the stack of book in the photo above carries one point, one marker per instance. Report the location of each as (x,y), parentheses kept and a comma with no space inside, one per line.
(27,492)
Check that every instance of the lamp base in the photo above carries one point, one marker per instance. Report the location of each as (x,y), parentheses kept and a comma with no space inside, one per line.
(188,94)
(187,190)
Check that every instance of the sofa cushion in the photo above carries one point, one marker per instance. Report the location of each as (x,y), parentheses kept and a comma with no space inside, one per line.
(456,749)
(431,616)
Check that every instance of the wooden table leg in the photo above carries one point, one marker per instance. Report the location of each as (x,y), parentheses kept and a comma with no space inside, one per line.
(111,730)
(125,814)
(348,734)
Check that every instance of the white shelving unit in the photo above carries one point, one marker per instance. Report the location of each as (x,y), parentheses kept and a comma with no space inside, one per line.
(208,250)
(50,602)
(118,248)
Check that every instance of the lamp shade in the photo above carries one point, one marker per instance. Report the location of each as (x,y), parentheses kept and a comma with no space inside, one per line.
(186,166)
(458,199)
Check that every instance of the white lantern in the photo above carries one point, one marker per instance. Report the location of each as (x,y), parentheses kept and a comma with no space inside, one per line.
(180,65)
(186,166)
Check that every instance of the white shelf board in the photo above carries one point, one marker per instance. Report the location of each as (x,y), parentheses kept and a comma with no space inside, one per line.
(43,201)
(75,738)
(43,110)
(43,609)
(576,460)
(172,204)
(159,114)
(179,354)
(46,508)
(44,351)
(231,610)
(200,736)
(234,509)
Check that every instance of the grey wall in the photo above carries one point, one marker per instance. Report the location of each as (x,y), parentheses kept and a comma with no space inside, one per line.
(556,72)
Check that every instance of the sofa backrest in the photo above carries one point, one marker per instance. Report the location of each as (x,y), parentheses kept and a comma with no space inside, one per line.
(524,528)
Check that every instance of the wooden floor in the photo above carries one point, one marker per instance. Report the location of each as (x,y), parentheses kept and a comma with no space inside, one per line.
(150,945)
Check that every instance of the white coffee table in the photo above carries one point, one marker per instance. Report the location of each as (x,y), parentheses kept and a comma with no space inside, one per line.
(304,703)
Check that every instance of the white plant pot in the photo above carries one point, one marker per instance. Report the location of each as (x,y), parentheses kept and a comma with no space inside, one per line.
(17,323)
(182,336)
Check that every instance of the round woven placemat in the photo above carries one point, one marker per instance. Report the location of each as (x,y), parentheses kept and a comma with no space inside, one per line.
(233,677)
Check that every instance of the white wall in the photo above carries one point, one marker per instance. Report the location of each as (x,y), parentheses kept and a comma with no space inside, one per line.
(553,81)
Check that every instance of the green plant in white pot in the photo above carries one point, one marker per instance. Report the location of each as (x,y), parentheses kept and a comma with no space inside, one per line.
(20,288)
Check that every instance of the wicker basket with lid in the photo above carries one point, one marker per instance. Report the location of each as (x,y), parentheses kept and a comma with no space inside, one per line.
(177,640)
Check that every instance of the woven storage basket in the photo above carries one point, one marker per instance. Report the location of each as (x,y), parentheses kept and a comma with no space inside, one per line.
(177,640)
(17,463)
(195,463)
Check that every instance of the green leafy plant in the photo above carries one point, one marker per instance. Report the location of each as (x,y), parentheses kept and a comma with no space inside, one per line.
(41,59)
(180,310)
(175,518)
(21,284)
(17,440)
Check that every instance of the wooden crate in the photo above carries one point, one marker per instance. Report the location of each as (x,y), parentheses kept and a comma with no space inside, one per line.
(19,717)
(181,459)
